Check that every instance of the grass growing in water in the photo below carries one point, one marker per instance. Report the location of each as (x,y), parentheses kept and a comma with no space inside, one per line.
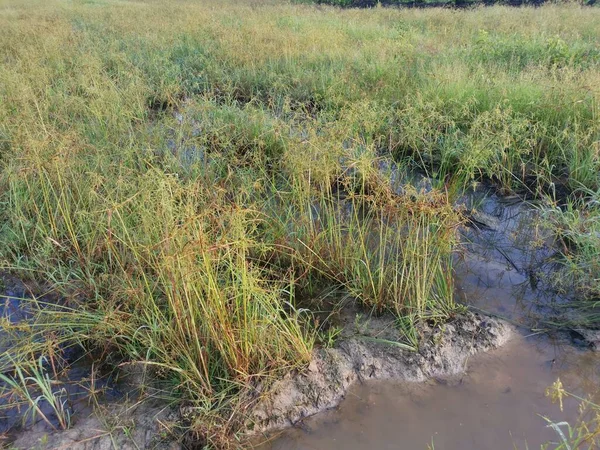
(184,174)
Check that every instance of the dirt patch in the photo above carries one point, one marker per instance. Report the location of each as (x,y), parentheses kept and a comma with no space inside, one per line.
(369,350)
(118,426)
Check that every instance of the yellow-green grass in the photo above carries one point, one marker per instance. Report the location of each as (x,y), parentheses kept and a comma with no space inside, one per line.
(185,174)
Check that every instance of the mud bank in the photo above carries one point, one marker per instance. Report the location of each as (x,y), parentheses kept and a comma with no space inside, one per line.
(369,350)
(497,404)
(118,426)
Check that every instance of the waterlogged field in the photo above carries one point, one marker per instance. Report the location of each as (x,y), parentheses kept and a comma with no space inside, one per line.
(193,188)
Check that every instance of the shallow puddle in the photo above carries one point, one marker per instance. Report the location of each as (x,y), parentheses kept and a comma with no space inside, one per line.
(496,405)
(505,262)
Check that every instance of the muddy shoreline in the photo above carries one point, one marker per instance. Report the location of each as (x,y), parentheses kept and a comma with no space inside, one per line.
(505,268)
(369,350)
(497,403)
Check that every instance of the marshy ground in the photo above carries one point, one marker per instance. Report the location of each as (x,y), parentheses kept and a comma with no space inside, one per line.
(192,192)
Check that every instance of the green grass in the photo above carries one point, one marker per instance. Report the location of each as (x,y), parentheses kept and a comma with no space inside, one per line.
(187,176)
(577,226)
(31,391)
(585,433)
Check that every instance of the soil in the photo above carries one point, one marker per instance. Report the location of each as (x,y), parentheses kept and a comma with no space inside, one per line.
(119,426)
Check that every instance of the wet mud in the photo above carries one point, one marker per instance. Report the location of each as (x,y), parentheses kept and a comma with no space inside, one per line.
(370,349)
(496,404)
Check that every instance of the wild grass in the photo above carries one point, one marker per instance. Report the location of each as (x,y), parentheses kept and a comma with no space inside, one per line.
(576,224)
(584,434)
(424,3)
(186,175)
(31,392)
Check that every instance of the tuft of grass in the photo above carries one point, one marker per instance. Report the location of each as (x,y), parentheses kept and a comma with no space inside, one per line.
(31,388)
(576,226)
(585,433)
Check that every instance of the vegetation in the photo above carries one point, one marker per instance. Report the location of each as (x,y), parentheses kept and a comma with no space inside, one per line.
(587,431)
(577,224)
(422,3)
(188,175)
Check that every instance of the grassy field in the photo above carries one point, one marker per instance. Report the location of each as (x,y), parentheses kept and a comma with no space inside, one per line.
(190,176)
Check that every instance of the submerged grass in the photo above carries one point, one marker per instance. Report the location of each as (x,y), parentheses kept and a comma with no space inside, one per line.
(30,391)
(186,175)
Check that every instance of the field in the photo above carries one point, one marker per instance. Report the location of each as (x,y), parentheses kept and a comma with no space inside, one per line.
(198,182)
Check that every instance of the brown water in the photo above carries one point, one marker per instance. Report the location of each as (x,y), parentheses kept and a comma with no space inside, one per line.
(495,405)
(498,403)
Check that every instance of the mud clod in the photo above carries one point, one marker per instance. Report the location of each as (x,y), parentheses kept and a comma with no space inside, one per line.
(367,351)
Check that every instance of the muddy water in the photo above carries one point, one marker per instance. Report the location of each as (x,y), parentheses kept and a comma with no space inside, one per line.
(498,403)
(507,260)
(495,405)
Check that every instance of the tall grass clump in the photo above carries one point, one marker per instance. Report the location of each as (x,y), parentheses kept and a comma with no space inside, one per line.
(391,250)
(164,275)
